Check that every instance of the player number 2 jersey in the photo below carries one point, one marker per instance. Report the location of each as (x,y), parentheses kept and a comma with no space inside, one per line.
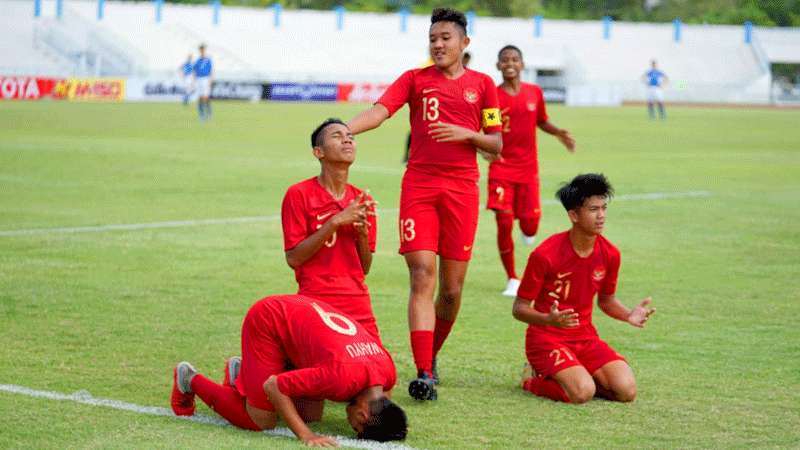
(556,273)
(470,101)
(520,114)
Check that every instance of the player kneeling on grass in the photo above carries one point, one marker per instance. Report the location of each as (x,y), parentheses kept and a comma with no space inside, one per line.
(297,352)
(569,361)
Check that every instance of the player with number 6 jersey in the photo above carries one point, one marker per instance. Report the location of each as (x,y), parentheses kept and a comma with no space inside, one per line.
(296,349)
(329,228)
(453,112)
(568,359)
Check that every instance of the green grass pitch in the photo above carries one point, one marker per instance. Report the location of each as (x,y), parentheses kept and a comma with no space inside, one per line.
(111,312)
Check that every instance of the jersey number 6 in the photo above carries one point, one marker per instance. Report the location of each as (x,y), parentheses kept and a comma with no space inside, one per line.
(327,318)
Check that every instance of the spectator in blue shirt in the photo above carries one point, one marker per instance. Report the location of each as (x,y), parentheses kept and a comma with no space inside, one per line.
(655,79)
(202,79)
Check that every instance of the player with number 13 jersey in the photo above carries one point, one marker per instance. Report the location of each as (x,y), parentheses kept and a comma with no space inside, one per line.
(453,112)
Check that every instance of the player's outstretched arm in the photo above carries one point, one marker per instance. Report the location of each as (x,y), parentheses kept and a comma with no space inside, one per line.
(447,132)
(368,119)
(637,316)
(524,312)
(286,409)
(561,134)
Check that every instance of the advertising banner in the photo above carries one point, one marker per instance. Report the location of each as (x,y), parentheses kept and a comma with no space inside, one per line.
(26,88)
(360,92)
(91,89)
(238,90)
(555,95)
(155,90)
(303,92)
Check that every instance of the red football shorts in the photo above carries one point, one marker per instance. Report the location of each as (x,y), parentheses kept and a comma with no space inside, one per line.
(549,355)
(358,307)
(262,357)
(439,214)
(520,198)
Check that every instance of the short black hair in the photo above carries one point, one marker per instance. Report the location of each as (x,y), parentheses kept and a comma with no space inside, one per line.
(509,47)
(316,135)
(574,193)
(387,422)
(450,15)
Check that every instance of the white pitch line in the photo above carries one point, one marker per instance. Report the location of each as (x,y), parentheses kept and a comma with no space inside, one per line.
(273,217)
(84,397)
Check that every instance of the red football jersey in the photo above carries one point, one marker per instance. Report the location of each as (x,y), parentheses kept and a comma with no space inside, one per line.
(470,101)
(336,267)
(521,114)
(556,272)
(332,356)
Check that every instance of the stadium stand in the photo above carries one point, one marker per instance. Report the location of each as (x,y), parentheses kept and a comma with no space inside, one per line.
(708,64)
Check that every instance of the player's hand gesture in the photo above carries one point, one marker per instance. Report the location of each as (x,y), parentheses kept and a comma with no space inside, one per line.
(566,140)
(567,318)
(362,226)
(641,313)
(447,132)
(357,211)
(315,440)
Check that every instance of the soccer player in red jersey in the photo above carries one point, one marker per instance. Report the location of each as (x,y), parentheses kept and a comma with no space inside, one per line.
(298,348)
(449,107)
(329,228)
(514,177)
(564,273)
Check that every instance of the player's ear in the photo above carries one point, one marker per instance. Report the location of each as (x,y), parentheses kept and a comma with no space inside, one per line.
(464,42)
(317,152)
(573,215)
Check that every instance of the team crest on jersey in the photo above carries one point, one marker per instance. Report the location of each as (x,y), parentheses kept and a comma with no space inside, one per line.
(531,106)
(470,95)
(599,273)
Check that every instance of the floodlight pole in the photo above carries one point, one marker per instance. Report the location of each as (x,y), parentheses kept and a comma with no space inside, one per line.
(159,5)
(403,20)
(339,9)
(537,26)
(276,15)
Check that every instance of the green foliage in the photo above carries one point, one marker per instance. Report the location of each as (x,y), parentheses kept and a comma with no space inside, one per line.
(760,12)
(112,312)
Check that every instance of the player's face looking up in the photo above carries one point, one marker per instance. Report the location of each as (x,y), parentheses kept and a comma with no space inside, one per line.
(510,64)
(591,216)
(337,144)
(447,43)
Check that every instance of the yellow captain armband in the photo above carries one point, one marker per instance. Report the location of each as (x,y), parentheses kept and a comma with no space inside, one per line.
(491,117)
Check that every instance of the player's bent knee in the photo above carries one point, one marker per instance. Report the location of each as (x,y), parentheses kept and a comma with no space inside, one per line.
(450,296)
(581,391)
(626,392)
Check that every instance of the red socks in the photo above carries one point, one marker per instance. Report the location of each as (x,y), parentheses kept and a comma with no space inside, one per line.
(505,243)
(546,387)
(422,348)
(440,334)
(225,400)
(529,225)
